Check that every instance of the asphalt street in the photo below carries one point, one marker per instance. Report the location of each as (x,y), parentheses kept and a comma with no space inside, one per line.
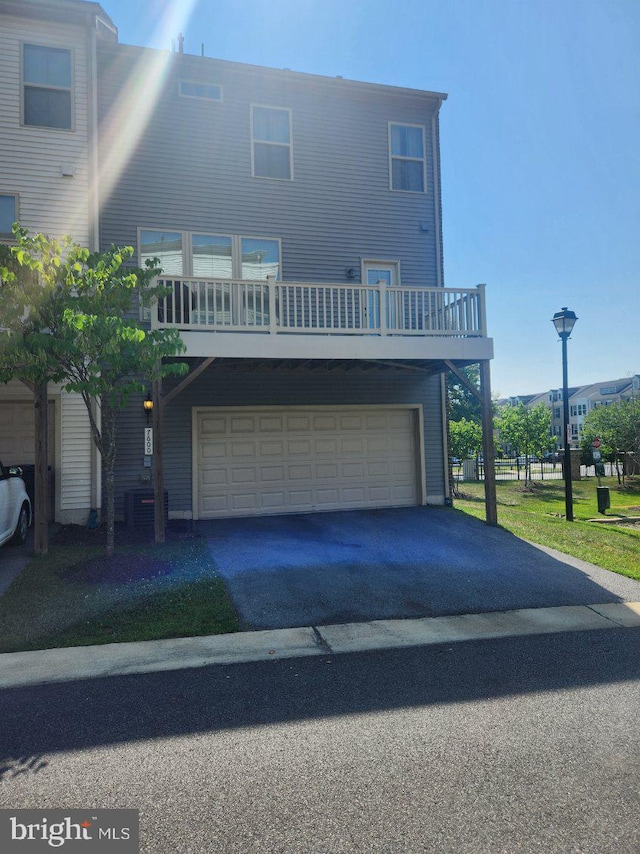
(524,744)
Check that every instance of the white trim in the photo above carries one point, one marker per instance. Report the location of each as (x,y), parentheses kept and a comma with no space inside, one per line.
(422,159)
(373,407)
(267,142)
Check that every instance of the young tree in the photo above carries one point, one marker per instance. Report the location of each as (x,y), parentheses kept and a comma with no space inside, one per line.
(526,431)
(618,427)
(465,439)
(103,353)
(29,353)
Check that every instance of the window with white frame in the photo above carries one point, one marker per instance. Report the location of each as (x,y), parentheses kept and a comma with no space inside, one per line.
(8,213)
(271,147)
(406,158)
(211,256)
(47,87)
(203,91)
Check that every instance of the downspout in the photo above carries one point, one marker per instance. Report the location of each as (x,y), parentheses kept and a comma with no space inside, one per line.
(437,200)
(94,222)
(437,217)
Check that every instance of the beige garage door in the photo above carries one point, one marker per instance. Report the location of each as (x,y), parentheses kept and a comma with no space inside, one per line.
(17,432)
(304,460)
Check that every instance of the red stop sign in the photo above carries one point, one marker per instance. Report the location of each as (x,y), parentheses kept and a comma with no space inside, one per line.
(596,442)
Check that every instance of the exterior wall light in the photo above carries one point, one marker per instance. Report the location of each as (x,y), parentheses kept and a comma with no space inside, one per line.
(147,405)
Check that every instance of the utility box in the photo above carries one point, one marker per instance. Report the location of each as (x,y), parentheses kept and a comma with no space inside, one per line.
(604,500)
(139,508)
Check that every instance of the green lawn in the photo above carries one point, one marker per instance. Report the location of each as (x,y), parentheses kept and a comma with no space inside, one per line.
(75,596)
(537,514)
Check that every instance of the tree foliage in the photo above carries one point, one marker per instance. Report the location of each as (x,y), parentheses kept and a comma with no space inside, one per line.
(465,439)
(462,403)
(69,318)
(526,432)
(618,428)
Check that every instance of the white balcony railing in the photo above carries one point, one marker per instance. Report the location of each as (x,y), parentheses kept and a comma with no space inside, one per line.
(272,307)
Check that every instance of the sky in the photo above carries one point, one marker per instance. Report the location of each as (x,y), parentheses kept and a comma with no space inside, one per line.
(540,146)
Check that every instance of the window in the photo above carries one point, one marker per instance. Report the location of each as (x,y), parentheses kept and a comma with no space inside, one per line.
(211,256)
(167,247)
(8,214)
(46,75)
(375,272)
(406,156)
(271,152)
(204,91)
(260,258)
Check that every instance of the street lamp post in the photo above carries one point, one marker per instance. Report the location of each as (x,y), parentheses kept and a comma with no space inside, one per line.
(564,321)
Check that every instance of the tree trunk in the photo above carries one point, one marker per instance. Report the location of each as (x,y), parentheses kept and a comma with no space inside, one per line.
(41,473)
(110,510)
(109,424)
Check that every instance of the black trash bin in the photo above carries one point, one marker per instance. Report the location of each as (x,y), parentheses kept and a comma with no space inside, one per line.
(604,500)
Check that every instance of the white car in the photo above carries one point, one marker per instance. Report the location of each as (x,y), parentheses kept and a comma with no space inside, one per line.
(15,507)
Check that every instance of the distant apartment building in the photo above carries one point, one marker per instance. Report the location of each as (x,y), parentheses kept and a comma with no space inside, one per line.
(582,399)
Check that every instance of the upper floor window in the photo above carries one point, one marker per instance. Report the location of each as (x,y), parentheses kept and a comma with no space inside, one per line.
(46,77)
(205,91)
(406,157)
(8,214)
(271,147)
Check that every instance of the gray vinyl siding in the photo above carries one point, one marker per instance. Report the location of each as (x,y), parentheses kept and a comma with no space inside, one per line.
(217,387)
(31,157)
(192,168)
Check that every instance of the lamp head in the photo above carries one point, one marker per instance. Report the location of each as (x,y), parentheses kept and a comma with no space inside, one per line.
(564,321)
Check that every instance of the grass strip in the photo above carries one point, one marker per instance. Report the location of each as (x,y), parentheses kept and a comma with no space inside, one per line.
(537,514)
(57,601)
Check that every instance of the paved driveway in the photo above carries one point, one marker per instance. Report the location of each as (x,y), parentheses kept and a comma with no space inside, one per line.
(325,568)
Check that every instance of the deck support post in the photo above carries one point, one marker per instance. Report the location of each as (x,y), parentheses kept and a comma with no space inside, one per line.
(158,466)
(488,450)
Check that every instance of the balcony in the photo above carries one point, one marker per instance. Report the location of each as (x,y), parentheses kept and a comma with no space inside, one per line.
(270,319)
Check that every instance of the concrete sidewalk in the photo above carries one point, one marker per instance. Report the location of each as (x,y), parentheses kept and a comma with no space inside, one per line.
(60,665)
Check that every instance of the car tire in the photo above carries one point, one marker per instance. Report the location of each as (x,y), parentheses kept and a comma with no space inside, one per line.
(20,534)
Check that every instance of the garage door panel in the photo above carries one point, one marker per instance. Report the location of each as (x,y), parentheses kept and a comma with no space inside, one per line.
(298,423)
(210,477)
(270,424)
(273,500)
(272,474)
(299,447)
(244,501)
(297,462)
(271,449)
(17,432)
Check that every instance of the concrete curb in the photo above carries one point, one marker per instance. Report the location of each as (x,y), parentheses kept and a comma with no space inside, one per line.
(19,669)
